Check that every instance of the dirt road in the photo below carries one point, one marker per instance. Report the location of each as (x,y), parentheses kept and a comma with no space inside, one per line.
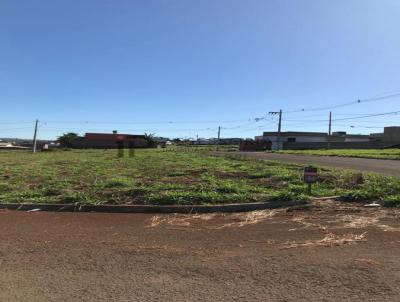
(331,253)
(382,166)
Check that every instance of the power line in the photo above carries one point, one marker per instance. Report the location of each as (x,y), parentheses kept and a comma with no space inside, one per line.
(360,101)
(15,123)
(370,115)
(125,130)
(241,127)
(18,128)
(366,127)
(143,123)
(347,118)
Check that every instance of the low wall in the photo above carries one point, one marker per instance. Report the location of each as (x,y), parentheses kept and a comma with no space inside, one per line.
(338,145)
(259,145)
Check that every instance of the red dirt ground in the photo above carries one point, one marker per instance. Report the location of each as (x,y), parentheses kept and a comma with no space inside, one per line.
(329,253)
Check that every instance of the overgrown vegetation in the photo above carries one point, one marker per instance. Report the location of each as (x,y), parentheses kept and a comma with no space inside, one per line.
(173,177)
(362,153)
(150,140)
(66,139)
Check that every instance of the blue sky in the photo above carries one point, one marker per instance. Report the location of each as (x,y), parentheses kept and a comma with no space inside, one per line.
(181,68)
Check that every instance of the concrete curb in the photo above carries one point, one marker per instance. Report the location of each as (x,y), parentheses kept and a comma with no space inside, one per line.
(184,209)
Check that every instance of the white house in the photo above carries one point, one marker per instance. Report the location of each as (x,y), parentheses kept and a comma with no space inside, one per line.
(310,137)
(293,137)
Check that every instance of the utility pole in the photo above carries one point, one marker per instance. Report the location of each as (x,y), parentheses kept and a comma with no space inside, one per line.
(219,136)
(279,129)
(330,130)
(35,136)
(278,139)
(330,123)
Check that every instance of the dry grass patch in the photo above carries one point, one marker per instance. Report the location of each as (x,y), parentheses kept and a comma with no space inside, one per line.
(179,220)
(329,240)
(237,220)
(244,219)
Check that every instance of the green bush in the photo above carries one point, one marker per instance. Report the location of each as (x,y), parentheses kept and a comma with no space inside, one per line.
(357,196)
(76,197)
(288,196)
(52,191)
(5,187)
(391,201)
(187,198)
(117,183)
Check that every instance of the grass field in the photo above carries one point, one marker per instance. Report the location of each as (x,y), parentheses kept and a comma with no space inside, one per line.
(362,153)
(172,177)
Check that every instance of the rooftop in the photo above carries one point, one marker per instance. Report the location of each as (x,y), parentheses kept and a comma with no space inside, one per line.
(111,136)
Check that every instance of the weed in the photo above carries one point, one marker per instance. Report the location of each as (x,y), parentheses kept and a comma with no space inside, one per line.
(174,177)
(5,187)
(392,201)
(117,183)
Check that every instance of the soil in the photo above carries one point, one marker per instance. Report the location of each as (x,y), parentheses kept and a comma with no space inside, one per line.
(331,252)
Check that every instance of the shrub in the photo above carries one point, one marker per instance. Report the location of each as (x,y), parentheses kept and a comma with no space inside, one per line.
(288,196)
(392,201)
(117,183)
(359,196)
(66,139)
(75,197)
(52,191)
(187,198)
(4,187)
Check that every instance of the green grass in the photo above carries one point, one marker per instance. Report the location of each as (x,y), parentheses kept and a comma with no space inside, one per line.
(173,177)
(362,153)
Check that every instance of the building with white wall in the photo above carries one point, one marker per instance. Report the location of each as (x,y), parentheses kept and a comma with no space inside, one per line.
(304,138)
(292,137)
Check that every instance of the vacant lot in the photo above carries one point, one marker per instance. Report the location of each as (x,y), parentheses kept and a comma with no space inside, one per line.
(330,253)
(173,177)
(362,153)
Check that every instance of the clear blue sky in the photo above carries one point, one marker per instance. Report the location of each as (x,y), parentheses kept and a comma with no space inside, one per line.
(202,63)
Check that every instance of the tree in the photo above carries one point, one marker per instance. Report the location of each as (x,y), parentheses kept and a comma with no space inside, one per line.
(66,139)
(150,140)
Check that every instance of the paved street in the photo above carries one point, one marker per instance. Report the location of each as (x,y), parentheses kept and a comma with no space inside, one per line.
(382,166)
(334,252)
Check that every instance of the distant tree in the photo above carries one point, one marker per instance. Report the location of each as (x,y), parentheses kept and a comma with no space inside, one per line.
(152,143)
(66,139)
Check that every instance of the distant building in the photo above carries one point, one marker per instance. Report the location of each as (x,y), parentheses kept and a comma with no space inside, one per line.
(391,134)
(110,141)
(377,137)
(214,141)
(292,137)
(7,145)
(321,140)
(342,136)
(230,141)
(4,144)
